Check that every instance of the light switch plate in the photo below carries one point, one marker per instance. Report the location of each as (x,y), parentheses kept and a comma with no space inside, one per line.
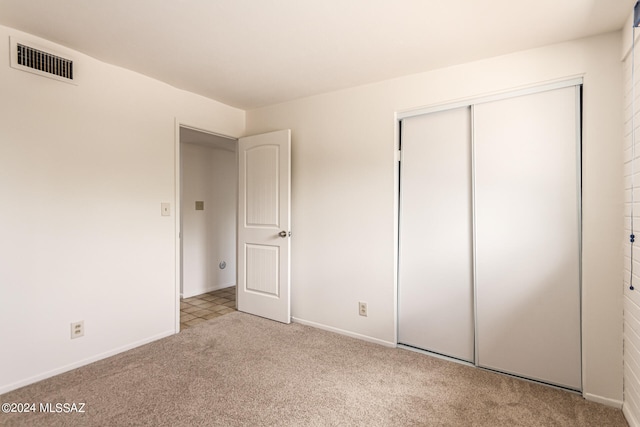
(165,209)
(200,206)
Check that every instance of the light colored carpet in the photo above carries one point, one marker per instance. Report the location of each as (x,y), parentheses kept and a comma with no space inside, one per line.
(241,370)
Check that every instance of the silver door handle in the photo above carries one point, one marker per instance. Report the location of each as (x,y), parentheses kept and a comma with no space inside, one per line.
(284,234)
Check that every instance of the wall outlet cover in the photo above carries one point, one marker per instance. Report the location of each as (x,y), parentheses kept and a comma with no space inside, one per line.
(77,329)
(362,309)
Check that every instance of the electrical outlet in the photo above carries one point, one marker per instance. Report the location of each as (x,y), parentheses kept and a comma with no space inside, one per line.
(77,329)
(362,309)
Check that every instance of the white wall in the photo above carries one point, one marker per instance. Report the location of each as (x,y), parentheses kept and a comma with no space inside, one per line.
(344,189)
(83,170)
(631,406)
(209,235)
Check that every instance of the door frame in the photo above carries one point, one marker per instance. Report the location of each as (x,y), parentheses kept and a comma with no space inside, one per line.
(178,208)
(471,101)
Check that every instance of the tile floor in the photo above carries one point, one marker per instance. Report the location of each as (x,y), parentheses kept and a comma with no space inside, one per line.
(207,306)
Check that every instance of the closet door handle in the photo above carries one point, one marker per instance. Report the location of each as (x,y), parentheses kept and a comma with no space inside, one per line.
(282,234)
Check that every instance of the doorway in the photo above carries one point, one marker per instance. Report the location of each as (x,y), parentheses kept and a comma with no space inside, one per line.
(207,211)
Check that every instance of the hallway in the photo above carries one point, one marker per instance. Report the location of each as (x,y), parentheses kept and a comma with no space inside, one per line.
(201,308)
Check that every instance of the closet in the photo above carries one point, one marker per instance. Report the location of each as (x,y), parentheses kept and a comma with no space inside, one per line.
(489,241)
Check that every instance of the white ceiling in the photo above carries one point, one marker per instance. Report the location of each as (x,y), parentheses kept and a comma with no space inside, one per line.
(251,53)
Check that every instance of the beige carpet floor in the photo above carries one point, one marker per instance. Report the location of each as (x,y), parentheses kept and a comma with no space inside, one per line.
(241,370)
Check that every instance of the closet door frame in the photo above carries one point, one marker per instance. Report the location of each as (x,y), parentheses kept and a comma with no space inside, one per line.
(470,102)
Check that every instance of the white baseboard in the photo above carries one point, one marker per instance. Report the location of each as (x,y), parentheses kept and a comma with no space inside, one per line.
(343,332)
(42,376)
(631,419)
(210,288)
(604,400)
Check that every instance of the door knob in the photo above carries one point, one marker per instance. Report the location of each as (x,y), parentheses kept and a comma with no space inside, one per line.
(284,234)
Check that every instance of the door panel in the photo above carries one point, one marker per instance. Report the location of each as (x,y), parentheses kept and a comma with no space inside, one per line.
(262,263)
(261,185)
(264,185)
(435,297)
(526,152)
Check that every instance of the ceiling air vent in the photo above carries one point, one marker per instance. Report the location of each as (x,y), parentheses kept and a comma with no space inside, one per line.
(36,60)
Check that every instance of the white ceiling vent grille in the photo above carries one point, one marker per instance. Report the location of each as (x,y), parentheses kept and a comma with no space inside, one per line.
(27,57)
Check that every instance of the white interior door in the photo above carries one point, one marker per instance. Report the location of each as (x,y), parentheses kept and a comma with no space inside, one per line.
(264,215)
(527,209)
(435,294)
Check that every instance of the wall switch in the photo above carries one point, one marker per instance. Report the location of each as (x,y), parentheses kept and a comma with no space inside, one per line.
(200,205)
(165,209)
(77,329)
(362,309)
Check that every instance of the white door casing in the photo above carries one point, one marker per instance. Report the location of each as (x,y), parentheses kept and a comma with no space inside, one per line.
(525,175)
(264,224)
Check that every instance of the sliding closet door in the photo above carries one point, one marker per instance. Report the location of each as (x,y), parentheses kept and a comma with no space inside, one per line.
(435,293)
(528,236)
